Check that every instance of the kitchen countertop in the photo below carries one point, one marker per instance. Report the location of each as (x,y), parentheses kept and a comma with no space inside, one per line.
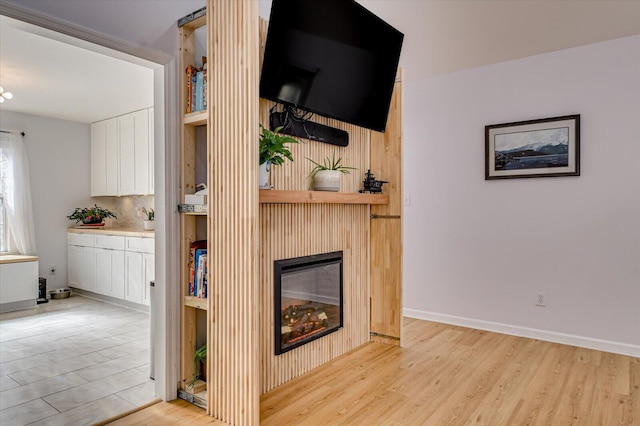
(16,258)
(127,232)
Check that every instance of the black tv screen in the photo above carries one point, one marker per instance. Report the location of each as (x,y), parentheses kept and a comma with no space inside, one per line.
(333,58)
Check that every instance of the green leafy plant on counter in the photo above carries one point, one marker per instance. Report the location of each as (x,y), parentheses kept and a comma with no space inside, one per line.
(149,214)
(93,214)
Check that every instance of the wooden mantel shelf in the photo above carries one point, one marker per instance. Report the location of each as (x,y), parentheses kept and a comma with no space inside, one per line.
(268,196)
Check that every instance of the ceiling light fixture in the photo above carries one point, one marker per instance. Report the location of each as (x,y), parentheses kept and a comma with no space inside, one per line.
(5,95)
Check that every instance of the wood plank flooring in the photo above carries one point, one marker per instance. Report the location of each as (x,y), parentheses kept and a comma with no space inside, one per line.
(448,375)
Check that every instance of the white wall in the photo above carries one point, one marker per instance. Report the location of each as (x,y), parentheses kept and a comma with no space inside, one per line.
(476,251)
(59,169)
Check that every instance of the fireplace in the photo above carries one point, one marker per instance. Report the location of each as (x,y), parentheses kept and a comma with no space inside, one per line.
(307,299)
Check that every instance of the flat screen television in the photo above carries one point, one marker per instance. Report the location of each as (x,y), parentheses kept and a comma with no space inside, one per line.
(333,58)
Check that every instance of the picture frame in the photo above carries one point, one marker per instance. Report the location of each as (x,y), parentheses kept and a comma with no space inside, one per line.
(547,147)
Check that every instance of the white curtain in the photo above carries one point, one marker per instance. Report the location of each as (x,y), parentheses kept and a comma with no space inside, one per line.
(17,189)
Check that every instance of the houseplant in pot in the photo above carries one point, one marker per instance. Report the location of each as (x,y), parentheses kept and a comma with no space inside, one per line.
(199,366)
(149,218)
(273,151)
(91,215)
(325,176)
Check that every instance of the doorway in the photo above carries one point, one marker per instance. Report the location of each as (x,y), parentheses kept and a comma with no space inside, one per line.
(164,129)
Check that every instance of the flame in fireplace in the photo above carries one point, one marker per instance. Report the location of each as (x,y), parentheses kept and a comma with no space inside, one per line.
(302,321)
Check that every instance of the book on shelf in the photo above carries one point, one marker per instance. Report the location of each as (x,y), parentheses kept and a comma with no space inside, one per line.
(200,256)
(194,80)
(205,85)
(196,88)
(205,88)
(193,257)
(189,89)
(199,91)
(201,274)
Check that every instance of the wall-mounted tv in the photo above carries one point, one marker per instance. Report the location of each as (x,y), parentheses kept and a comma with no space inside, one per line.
(333,58)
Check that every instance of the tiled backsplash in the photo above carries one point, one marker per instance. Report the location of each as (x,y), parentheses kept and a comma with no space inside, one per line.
(126,209)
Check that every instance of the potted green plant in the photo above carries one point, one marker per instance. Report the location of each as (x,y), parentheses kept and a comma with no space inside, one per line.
(273,151)
(149,218)
(199,365)
(91,215)
(325,176)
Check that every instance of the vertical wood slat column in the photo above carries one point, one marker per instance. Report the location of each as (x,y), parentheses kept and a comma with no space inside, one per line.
(233,67)
(386,229)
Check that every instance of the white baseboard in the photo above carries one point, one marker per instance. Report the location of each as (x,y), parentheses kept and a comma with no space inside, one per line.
(532,333)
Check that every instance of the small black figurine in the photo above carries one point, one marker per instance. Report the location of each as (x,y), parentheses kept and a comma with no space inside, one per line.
(371,184)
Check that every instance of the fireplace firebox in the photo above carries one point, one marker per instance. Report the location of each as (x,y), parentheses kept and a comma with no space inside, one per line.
(307,299)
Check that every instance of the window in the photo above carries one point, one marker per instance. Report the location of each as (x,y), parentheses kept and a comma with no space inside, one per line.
(4,226)
(4,246)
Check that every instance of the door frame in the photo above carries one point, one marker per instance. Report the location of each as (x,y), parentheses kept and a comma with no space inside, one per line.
(166,305)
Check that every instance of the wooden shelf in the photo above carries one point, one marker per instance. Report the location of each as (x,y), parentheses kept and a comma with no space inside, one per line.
(196,118)
(194,213)
(268,196)
(196,302)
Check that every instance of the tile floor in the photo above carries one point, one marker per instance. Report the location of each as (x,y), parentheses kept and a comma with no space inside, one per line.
(73,361)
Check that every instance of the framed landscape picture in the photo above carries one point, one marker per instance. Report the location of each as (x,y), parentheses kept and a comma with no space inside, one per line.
(535,148)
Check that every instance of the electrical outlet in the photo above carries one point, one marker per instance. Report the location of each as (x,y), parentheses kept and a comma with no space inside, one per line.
(541,299)
(52,269)
(407,200)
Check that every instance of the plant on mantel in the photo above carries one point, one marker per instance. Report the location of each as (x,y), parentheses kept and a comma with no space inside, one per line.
(273,150)
(325,176)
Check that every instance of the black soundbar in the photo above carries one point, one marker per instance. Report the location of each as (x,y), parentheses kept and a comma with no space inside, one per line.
(308,129)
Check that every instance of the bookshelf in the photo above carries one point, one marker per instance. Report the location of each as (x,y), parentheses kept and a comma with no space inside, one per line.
(193,226)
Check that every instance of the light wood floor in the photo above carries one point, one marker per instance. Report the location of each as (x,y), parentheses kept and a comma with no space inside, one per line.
(447,375)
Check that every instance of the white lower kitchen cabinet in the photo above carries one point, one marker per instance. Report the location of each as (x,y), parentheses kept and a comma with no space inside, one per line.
(112,265)
(139,270)
(134,281)
(149,269)
(18,282)
(81,267)
(110,276)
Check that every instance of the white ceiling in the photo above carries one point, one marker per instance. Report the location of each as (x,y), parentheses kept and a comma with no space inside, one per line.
(449,35)
(441,36)
(50,77)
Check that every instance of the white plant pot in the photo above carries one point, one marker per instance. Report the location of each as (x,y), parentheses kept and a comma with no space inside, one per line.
(327,180)
(265,169)
(149,225)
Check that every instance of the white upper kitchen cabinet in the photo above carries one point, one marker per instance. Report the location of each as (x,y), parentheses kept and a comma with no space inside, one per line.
(104,158)
(122,155)
(134,140)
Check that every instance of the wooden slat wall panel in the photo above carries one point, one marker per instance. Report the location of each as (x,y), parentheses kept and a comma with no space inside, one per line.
(300,230)
(288,231)
(386,232)
(233,67)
